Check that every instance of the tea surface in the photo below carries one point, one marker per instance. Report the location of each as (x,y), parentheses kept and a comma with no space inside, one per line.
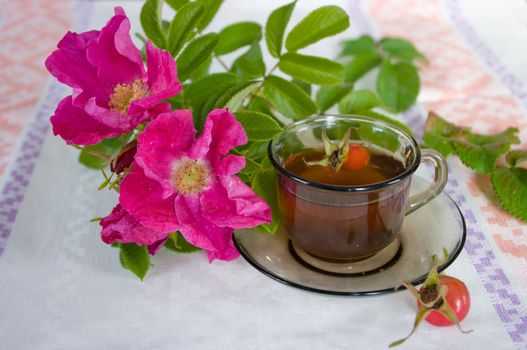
(381,167)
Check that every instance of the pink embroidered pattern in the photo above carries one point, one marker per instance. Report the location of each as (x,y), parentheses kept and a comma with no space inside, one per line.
(23,76)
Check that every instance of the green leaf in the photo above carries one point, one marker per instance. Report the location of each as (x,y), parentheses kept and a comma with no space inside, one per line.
(258,126)
(400,48)
(182,26)
(506,137)
(264,184)
(245,177)
(328,96)
(238,35)
(135,258)
(176,4)
(165,25)
(233,98)
(288,98)
(362,45)
(195,54)
(250,65)
(235,93)
(141,37)
(150,17)
(438,133)
(360,65)
(516,157)
(312,69)
(398,85)
(250,169)
(479,152)
(89,160)
(260,104)
(202,71)
(177,243)
(439,143)
(321,23)
(257,151)
(107,146)
(176,102)
(303,85)
(358,100)
(275,28)
(510,185)
(211,9)
(198,93)
(143,53)
(479,158)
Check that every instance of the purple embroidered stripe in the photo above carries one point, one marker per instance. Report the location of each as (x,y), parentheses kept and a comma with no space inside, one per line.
(506,304)
(19,177)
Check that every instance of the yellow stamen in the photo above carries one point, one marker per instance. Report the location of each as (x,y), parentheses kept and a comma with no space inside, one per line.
(190,176)
(124,94)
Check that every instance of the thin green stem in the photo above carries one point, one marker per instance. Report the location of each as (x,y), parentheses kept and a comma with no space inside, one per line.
(216,57)
(259,87)
(220,61)
(93,153)
(271,70)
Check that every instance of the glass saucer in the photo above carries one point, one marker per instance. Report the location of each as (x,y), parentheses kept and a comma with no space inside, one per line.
(427,231)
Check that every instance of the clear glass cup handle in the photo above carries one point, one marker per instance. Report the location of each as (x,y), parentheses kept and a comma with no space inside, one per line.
(440,179)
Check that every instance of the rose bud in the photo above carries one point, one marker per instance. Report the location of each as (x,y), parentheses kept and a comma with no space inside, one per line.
(124,159)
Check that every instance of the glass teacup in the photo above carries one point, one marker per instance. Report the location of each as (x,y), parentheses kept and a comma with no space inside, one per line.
(349,223)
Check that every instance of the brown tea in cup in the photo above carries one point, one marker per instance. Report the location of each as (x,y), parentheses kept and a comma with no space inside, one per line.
(336,232)
(342,209)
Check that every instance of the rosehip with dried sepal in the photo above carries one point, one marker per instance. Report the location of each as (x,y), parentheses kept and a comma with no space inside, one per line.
(351,157)
(457,298)
(357,158)
(441,301)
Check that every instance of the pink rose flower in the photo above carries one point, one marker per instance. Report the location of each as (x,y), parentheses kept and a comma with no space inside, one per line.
(121,227)
(112,92)
(181,184)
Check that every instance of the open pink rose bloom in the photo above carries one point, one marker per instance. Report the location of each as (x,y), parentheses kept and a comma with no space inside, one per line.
(176,182)
(112,92)
(179,183)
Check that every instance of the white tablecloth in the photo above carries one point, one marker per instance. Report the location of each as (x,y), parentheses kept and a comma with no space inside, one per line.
(62,288)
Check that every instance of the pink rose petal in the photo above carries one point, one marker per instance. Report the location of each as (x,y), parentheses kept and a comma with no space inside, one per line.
(221,133)
(156,246)
(197,230)
(77,127)
(143,198)
(114,53)
(121,227)
(112,118)
(162,78)
(165,140)
(232,203)
(161,108)
(230,165)
(71,67)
